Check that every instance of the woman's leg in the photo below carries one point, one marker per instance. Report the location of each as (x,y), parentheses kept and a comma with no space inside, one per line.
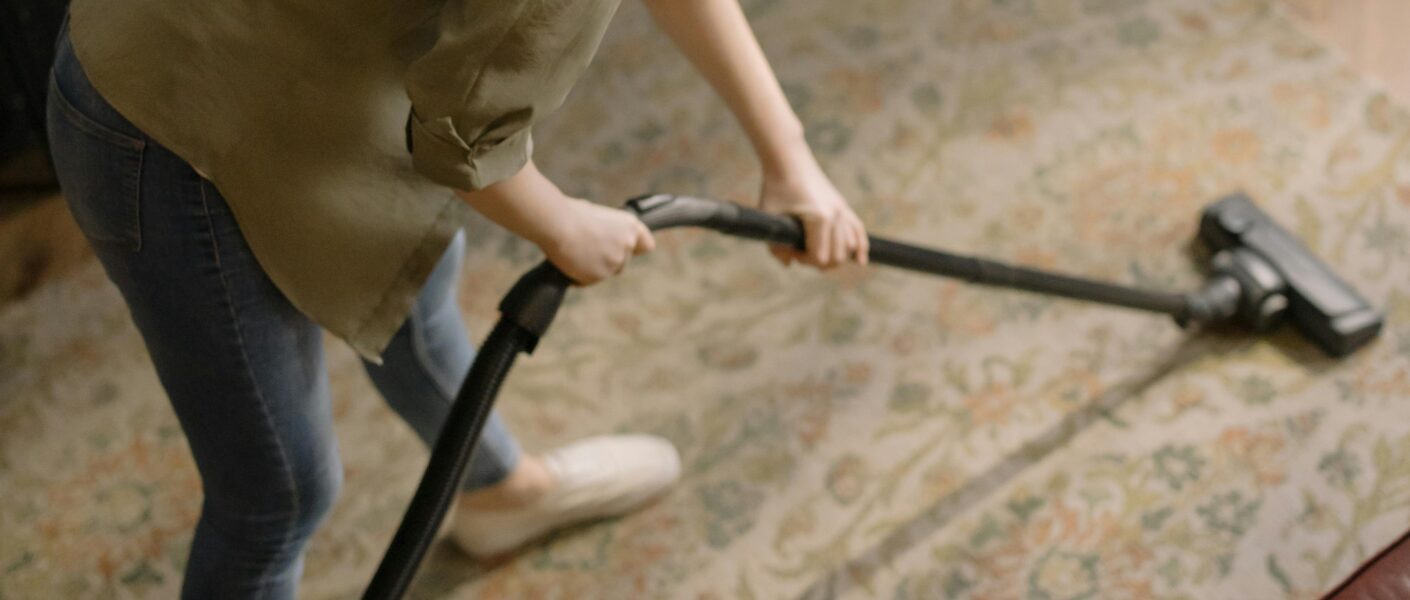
(243,369)
(512,497)
(424,364)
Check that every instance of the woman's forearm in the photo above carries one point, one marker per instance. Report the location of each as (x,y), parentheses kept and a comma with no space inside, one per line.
(716,38)
(527,204)
(587,242)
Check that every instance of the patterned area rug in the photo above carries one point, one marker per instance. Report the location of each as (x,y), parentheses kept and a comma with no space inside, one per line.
(864,433)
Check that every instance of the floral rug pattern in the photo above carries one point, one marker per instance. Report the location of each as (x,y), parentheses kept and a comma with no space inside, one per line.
(864,433)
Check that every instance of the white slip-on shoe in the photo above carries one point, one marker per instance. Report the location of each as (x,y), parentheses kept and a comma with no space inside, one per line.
(594,478)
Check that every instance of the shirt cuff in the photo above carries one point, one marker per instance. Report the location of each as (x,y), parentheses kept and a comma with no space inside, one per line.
(440,154)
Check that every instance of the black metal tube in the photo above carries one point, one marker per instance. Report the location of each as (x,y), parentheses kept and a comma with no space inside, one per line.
(989,272)
(664,210)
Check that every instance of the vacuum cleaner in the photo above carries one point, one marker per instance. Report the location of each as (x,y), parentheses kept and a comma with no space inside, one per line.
(1261,276)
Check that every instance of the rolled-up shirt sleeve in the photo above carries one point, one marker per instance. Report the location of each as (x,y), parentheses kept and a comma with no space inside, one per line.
(496,67)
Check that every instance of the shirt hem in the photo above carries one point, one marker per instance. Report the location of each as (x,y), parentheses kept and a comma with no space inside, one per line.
(372,334)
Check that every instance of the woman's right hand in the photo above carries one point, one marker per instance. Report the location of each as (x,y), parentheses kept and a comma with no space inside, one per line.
(590,243)
(587,242)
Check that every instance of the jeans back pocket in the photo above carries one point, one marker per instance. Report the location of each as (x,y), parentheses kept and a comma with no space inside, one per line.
(99,168)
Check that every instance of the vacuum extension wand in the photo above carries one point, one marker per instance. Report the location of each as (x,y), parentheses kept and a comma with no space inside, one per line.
(1261,275)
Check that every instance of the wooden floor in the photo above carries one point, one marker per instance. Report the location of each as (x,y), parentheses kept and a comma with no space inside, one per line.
(39,241)
(1371,34)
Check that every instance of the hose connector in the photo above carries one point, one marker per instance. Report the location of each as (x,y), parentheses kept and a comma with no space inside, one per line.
(534,300)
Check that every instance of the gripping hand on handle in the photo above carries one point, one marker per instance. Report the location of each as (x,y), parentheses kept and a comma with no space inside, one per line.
(595,242)
(716,37)
(835,234)
(586,241)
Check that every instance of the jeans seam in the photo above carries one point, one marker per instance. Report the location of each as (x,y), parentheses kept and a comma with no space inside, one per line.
(254,382)
(137,196)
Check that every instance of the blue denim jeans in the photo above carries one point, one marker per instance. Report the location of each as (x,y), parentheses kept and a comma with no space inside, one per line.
(242,367)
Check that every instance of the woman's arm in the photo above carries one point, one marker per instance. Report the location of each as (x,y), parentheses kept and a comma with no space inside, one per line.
(716,38)
(495,69)
(586,241)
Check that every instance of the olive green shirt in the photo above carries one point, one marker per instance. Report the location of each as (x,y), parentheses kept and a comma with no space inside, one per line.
(297,111)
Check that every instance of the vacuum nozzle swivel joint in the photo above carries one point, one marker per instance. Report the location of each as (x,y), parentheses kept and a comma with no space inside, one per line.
(1242,287)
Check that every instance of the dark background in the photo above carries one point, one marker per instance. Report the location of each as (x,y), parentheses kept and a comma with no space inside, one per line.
(28,29)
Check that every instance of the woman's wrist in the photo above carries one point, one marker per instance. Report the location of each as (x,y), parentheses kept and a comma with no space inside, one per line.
(528,204)
(787,158)
(551,226)
(788,161)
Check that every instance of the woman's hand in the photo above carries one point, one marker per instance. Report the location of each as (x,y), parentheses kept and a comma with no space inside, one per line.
(716,38)
(590,243)
(834,233)
(587,242)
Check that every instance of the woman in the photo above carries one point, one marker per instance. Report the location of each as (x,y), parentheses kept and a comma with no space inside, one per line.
(242,171)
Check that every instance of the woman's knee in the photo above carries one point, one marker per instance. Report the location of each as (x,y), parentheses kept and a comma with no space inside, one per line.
(245,549)
(278,514)
(320,493)
(316,491)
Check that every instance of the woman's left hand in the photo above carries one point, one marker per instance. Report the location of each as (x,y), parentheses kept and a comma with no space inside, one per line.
(715,36)
(835,234)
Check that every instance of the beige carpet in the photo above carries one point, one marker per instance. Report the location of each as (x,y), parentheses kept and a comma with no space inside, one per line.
(864,434)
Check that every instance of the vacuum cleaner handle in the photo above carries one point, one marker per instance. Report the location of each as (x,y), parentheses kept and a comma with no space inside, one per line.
(662,211)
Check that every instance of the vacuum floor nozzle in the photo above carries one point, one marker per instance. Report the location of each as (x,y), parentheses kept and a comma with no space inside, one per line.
(1280,279)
